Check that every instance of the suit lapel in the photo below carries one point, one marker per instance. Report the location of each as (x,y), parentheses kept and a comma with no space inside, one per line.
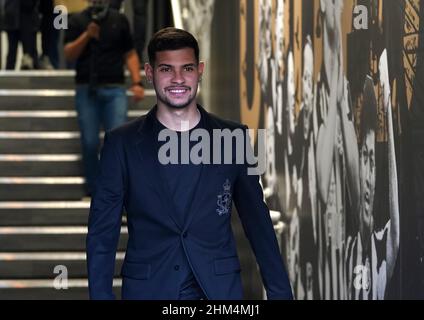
(146,147)
(205,172)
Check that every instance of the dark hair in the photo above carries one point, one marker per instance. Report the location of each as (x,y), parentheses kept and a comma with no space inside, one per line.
(171,39)
(369,109)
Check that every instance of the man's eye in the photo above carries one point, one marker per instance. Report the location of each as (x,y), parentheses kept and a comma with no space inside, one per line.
(165,69)
(189,69)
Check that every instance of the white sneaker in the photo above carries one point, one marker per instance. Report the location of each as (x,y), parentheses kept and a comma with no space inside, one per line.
(27,63)
(45,64)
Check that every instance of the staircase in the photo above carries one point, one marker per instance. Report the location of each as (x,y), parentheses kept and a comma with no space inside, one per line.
(43,216)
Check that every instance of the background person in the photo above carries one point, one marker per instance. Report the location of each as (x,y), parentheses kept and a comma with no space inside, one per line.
(100,41)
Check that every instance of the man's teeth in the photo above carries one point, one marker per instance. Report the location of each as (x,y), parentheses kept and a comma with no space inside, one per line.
(178,91)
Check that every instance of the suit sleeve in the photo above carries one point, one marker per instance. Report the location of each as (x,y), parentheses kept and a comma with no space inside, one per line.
(104,223)
(257,224)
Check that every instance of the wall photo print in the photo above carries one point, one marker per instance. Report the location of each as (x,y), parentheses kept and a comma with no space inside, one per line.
(337,84)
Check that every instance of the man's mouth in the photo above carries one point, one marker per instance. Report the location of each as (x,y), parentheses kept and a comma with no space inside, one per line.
(178,92)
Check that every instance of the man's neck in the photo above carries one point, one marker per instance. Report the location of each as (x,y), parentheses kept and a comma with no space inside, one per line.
(178,119)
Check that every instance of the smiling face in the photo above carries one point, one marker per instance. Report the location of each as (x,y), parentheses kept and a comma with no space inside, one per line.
(175,76)
(367,171)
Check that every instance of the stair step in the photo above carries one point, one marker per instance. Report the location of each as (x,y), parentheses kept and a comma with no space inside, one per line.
(44,290)
(44,213)
(48,239)
(34,146)
(43,79)
(65,142)
(43,221)
(34,102)
(18,165)
(41,188)
(37,79)
(14,100)
(41,265)
(55,120)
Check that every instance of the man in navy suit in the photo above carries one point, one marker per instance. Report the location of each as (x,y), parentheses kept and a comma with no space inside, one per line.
(181,245)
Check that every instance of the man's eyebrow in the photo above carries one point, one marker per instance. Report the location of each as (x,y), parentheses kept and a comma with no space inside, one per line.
(171,66)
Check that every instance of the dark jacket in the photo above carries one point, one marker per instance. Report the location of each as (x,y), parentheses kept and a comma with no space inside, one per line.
(129,178)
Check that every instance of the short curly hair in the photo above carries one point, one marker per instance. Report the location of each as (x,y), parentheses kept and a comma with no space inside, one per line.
(171,39)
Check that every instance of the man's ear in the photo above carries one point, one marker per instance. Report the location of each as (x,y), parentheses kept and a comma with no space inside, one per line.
(148,69)
(201,68)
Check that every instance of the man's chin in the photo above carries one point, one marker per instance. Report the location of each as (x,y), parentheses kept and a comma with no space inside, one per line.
(178,106)
(174,104)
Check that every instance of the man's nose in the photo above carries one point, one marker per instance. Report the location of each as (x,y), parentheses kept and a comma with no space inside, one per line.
(178,77)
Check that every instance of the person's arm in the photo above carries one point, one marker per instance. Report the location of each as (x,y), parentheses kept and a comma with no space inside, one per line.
(326,142)
(257,224)
(393,236)
(351,151)
(104,223)
(133,64)
(74,49)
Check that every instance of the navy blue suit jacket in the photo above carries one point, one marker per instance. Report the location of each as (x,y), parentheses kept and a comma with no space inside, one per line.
(128,177)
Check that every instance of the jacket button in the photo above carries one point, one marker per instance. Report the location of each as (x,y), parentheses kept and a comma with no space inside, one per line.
(176,267)
(185,234)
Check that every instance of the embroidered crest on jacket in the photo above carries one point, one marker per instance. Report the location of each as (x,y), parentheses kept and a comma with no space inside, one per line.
(224,199)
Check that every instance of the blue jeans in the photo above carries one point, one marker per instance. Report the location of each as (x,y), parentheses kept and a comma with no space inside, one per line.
(106,106)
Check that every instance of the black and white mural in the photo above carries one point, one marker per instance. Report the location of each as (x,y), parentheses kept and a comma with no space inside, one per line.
(338,84)
(334,83)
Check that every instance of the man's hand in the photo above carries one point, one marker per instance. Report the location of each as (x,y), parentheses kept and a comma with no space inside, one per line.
(93,31)
(138,92)
(74,49)
(133,65)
